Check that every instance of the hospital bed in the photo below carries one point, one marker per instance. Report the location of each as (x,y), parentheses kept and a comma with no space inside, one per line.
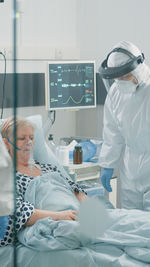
(125,244)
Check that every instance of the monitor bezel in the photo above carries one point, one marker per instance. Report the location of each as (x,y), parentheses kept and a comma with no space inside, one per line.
(47,82)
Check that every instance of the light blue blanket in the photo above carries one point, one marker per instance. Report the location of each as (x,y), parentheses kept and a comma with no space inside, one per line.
(125,243)
(60,243)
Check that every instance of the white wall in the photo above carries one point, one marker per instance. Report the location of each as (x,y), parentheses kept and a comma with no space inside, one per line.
(46,30)
(6,19)
(102,23)
(51,22)
(47,23)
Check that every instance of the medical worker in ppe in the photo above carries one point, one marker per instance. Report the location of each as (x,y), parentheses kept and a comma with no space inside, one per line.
(6,188)
(126,130)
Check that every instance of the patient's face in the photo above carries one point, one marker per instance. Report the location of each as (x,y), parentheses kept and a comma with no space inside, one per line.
(24,143)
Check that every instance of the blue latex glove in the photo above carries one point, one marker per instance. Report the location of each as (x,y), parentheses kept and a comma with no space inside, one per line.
(3,225)
(106,175)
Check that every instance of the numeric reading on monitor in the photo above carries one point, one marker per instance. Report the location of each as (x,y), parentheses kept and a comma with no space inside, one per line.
(70,85)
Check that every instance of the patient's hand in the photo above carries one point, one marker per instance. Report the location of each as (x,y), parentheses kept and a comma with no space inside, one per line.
(81,196)
(66,215)
(55,215)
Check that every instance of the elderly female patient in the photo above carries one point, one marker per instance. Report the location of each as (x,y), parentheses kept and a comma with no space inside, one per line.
(26,214)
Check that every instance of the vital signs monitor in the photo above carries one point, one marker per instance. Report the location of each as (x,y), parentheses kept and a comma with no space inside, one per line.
(70,85)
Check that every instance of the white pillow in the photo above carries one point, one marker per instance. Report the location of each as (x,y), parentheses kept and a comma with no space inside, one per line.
(42,152)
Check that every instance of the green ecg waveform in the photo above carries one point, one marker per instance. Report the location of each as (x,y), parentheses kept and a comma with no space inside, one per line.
(76,102)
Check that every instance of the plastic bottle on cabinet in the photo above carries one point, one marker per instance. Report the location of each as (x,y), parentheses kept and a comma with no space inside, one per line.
(62,154)
(77,155)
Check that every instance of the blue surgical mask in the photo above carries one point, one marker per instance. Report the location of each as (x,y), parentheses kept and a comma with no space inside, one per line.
(126,87)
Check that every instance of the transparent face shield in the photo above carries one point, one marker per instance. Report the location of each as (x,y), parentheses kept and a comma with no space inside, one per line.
(116,77)
(126,83)
(108,83)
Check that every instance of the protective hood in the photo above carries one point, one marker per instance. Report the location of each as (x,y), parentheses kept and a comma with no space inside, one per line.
(117,59)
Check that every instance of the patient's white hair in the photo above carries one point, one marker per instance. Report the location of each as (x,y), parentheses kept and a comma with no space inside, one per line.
(8,125)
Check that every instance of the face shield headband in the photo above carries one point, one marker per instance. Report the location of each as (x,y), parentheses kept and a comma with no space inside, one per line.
(116,72)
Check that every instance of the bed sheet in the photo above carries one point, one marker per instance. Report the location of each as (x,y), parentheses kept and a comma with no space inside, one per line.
(51,243)
(103,256)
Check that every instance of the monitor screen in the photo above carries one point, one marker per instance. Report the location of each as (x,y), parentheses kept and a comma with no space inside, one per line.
(70,85)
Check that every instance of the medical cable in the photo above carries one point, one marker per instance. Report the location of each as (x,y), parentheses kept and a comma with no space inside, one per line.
(3,93)
(54,116)
(50,121)
(9,141)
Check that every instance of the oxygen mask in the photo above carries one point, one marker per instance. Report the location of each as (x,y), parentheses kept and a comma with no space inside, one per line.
(27,146)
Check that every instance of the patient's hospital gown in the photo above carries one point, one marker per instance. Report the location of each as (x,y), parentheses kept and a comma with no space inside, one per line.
(24,208)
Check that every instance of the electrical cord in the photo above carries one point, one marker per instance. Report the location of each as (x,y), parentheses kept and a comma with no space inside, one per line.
(49,122)
(3,93)
(54,116)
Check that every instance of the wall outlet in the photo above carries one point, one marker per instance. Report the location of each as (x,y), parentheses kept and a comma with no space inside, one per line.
(58,53)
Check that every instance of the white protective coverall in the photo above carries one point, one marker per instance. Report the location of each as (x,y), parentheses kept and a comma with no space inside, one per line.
(126,133)
(6,181)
